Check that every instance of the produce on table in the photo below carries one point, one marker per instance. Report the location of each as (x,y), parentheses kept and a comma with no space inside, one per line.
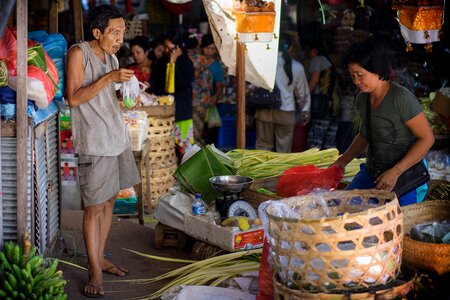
(438,126)
(241,222)
(262,164)
(25,275)
(440,192)
(211,271)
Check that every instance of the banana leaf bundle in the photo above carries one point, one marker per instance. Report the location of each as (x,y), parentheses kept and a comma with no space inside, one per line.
(194,174)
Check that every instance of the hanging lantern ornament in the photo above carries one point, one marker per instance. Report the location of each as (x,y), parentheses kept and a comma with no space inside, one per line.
(255,20)
(420,21)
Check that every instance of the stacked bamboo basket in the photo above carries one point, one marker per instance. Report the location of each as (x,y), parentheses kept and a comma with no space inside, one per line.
(344,241)
(161,161)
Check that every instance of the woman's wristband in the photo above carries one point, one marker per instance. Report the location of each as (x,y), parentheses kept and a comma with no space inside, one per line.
(399,170)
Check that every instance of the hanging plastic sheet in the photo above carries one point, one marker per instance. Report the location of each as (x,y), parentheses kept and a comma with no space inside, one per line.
(260,58)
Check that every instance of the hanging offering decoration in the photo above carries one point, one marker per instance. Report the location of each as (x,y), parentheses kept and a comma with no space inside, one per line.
(420,21)
(255,20)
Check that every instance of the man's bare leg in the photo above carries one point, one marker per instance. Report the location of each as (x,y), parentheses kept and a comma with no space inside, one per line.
(105,226)
(91,232)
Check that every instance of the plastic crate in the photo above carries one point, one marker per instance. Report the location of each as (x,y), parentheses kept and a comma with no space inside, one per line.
(125,206)
(226,110)
(226,137)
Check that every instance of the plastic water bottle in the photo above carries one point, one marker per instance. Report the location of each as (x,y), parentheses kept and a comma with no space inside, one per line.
(198,206)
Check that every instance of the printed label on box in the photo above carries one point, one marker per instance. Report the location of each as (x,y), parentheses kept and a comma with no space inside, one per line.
(249,240)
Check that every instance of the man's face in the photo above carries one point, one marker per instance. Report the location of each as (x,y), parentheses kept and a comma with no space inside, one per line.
(112,38)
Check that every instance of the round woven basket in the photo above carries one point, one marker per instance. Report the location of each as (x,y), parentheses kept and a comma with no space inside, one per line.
(421,255)
(160,127)
(398,289)
(343,240)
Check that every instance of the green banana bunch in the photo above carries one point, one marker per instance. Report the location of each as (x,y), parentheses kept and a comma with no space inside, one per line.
(28,276)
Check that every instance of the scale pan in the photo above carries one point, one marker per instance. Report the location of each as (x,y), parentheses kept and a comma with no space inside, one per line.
(230,183)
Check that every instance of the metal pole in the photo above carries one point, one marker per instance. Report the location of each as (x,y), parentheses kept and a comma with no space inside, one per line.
(21,116)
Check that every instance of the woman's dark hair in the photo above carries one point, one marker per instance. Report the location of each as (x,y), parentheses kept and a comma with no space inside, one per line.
(369,55)
(99,18)
(189,40)
(207,40)
(284,43)
(140,41)
(153,44)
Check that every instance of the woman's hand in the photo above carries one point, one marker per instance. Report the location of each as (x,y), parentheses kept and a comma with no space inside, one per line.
(341,163)
(305,117)
(388,179)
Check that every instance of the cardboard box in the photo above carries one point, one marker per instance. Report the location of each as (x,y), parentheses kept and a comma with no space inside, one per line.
(228,238)
(441,104)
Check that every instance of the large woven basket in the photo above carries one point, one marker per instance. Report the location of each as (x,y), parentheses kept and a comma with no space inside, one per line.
(421,255)
(357,244)
(397,289)
(157,184)
(161,127)
(161,153)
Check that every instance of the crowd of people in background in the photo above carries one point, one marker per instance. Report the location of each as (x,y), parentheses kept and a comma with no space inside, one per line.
(309,90)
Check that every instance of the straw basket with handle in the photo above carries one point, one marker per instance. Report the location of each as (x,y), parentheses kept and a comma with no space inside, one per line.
(421,255)
(342,241)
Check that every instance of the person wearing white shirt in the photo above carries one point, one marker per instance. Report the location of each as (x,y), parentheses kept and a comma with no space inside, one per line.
(275,127)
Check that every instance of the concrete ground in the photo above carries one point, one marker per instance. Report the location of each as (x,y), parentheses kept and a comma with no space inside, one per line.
(125,233)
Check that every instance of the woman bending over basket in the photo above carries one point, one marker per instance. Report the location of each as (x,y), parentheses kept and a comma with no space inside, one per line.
(393,129)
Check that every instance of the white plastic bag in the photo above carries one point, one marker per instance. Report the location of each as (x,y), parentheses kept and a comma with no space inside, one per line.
(131,90)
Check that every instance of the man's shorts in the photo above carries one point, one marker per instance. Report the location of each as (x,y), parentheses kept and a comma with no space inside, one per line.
(102,177)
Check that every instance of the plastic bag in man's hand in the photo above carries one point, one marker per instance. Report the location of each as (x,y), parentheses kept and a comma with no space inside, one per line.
(130,90)
(302,180)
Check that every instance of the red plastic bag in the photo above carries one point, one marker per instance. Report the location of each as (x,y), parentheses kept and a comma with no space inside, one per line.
(302,180)
(8,51)
(266,290)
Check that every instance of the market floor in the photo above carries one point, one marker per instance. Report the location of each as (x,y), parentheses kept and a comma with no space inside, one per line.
(125,233)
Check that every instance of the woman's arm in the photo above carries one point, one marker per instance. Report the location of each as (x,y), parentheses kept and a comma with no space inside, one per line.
(358,146)
(314,81)
(421,129)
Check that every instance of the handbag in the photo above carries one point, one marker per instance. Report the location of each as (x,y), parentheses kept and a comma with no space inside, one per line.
(212,118)
(260,98)
(413,177)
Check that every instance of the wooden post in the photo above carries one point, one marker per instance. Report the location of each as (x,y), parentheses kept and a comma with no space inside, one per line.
(21,116)
(77,12)
(240,101)
(53,17)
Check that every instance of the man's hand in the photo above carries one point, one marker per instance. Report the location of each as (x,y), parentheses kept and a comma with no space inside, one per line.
(121,75)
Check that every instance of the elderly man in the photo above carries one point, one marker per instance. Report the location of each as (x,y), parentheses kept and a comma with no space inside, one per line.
(106,163)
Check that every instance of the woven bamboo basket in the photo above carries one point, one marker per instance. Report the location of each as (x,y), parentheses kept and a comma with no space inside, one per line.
(158,184)
(160,127)
(161,153)
(398,289)
(421,255)
(355,244)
